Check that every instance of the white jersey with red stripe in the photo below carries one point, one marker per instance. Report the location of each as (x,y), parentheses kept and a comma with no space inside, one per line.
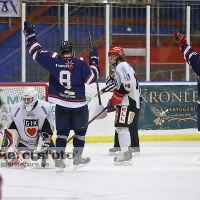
(29,124)
(125,74)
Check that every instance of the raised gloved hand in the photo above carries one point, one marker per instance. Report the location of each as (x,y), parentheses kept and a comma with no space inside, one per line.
(93,56)
(179,38)
(110,107)
(29,31)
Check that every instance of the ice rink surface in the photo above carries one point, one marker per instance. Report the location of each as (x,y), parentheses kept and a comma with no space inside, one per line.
(163,171)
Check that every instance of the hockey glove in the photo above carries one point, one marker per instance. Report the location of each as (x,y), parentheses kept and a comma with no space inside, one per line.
(179,38)
(93,56)
(110,107)
(43,143)
(29,31)
(116,97)
(46,138)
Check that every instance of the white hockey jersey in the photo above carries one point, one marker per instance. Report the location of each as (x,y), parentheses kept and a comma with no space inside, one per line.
(125,74)
(29,124)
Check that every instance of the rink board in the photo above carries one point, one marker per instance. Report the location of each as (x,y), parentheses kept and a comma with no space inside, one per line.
(168,113)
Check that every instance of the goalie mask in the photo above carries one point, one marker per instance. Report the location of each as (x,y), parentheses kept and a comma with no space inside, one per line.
(30,97)
(67,47)
(115,54)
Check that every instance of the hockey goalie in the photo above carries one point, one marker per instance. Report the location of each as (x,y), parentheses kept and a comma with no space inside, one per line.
(27,141)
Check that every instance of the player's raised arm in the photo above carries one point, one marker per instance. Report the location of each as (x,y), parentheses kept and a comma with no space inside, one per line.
(91,74)
(43,57)
(193,59)
(189,54)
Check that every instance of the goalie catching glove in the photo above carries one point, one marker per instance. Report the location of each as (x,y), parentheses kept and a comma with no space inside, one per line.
(179,38)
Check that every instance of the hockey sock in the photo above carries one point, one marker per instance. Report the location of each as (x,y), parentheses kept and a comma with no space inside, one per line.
(61,142)
(116,143)
(124,139)
(79,142)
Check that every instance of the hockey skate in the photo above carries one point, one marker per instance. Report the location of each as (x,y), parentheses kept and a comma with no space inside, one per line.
(124,159)
(59,165)
(135,151)
(81,162)
(114,150)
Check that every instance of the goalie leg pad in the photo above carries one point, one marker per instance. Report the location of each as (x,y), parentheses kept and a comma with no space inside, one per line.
(10,140)
(17,161)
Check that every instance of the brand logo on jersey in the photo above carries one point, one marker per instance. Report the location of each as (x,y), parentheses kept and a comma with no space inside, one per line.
(68,64)
(127,77)
(30,115)
(31,127)
(69,92)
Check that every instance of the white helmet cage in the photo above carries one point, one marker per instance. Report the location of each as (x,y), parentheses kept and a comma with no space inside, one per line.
(30,96)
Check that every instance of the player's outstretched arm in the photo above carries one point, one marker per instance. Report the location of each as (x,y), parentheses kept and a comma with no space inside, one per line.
(29,31)
(179,38)
(44,58)
(190,56)
(94,61)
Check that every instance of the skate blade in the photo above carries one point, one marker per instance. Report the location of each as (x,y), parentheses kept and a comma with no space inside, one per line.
(136,154)
(28,168)
(80,166)
(114,153)
(59,170)
(124,163)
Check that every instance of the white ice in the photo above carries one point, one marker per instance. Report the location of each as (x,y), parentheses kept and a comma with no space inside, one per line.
(163,171)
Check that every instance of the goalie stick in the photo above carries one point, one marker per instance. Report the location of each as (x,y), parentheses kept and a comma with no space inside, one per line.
(81,13)
(95,117)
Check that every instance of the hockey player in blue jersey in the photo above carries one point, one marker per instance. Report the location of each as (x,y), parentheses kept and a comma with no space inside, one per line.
(193,59)
(68,76)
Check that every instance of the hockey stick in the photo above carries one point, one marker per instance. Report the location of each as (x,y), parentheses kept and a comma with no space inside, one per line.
(81,13)
(90,121)
(1,126)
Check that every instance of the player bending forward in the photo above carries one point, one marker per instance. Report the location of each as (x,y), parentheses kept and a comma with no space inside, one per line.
(126,102)
(29,133)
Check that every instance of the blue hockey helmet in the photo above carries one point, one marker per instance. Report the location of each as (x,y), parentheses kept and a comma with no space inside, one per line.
(66,46)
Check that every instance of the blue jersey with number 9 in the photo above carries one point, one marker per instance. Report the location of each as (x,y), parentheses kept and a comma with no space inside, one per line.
(68,76)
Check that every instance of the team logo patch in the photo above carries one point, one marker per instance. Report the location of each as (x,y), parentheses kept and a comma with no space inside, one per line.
(31,127)
(122,116)
(131,116)
(31,131)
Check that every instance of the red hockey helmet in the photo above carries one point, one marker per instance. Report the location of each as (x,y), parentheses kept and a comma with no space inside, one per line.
(115,54)
(116,51)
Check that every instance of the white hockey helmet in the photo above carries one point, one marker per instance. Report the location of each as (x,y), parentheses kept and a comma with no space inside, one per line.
(30,97)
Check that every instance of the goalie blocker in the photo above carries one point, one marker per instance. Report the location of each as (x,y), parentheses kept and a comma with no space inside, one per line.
(13,156)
